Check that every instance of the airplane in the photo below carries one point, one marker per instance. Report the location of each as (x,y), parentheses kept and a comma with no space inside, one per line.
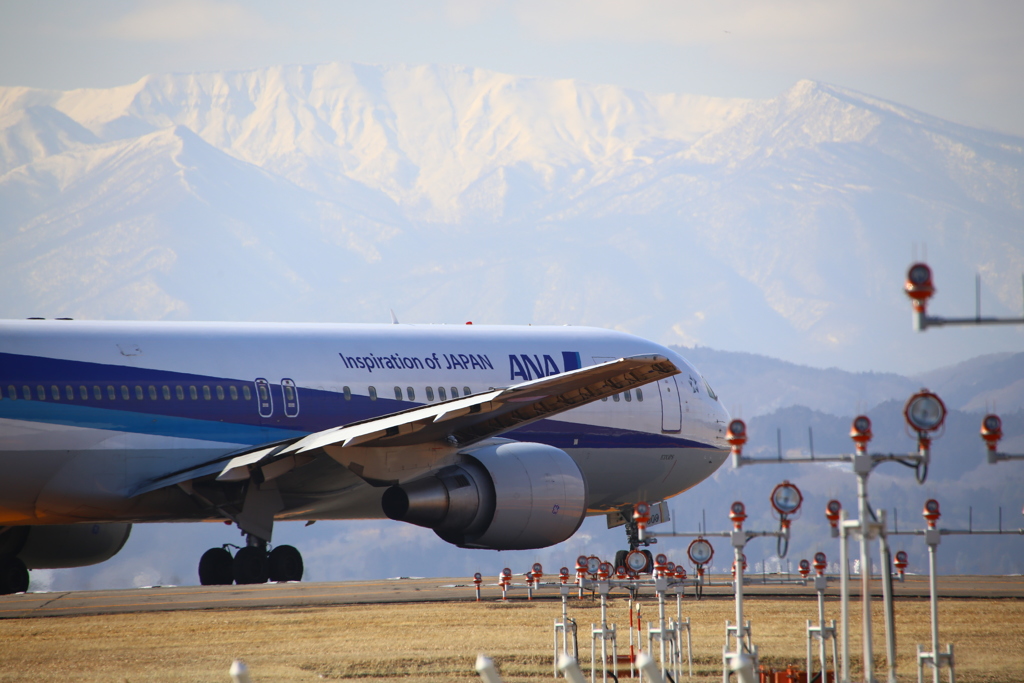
(496,437)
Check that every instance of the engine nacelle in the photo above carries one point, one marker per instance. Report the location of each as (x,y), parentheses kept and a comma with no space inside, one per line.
(64,545)
(507,496)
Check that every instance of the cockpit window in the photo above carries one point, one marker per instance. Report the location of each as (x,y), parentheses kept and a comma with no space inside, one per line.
(711,392)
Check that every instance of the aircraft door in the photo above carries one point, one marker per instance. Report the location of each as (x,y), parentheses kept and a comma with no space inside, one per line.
(264,399)
(290,394)
(671,407)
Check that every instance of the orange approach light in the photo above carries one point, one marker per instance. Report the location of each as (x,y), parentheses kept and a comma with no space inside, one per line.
(919,285)
(738,514)
(786,499)
(860,432)
(736,435)
(700,552)
(992,431)
(924,411)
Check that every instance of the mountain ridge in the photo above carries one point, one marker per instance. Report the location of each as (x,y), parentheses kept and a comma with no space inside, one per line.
(569,202)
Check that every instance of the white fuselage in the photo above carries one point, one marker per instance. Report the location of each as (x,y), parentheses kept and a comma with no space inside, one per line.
(93,411)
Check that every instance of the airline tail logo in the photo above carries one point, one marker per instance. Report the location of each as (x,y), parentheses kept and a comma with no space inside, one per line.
(526,367)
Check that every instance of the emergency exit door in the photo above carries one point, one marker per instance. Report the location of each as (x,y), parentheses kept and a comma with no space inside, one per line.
(671,406)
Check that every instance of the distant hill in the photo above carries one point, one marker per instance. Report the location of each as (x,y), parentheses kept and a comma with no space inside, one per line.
(994,382)
(751,385)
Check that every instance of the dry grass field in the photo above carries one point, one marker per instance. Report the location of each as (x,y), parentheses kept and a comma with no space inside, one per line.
(423,642)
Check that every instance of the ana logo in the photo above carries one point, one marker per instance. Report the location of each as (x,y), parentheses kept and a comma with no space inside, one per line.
(526,366)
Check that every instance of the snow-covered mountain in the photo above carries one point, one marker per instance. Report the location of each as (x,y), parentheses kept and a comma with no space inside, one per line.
(336,192)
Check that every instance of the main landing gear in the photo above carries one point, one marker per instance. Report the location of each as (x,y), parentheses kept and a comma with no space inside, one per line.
(13,575)
(251,564)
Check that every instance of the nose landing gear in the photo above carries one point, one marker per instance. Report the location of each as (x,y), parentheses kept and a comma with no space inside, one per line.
(633,538)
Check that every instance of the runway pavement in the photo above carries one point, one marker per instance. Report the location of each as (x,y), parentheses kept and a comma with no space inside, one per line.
(276,595)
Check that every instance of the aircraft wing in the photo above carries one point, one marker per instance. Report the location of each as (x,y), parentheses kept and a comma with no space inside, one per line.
(392,448)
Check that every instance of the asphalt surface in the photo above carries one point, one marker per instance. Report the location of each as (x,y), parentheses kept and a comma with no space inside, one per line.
(173,598)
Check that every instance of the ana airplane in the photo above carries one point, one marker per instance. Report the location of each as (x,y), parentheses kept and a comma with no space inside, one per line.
(494,437)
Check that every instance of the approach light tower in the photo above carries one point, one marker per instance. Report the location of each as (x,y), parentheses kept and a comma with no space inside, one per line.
(919,287)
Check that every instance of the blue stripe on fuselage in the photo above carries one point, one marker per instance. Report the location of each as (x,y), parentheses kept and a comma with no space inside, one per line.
(142,423)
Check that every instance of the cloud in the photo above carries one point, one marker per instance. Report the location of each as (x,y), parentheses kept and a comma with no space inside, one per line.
(463,13)
(190,20)
(802,33)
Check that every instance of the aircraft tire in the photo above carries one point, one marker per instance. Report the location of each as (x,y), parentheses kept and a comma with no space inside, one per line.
(620,558)
(251,565)
(216,568)
(13,576)
(649,567)
(285,564)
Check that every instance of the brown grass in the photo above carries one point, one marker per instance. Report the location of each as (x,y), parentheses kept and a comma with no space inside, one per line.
(425,642)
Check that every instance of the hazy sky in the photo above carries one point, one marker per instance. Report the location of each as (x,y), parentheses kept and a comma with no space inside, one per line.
(958,60)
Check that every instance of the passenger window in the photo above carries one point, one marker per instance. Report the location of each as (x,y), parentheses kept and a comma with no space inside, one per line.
(430,394)
(193,392)
(41,392)
(26,392)
(179,391)
(605,398)
(111,394)
(220,393)
(1,393)
(97,393)
(398,393)
(138,393)
(166,392)
(55,392)
(124,393)
(233,390)
(441,395)
(615,397)
(627,395)
(373,393)
(69,391)
(347,392)
(83,392)
(206,393)
(12,391)
(152,393)
(455,392)
(639,394)
(466,391)
(410,394)
(246,394)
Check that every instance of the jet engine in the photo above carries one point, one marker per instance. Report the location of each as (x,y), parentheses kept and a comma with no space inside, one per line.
(64,545)
(506,496)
